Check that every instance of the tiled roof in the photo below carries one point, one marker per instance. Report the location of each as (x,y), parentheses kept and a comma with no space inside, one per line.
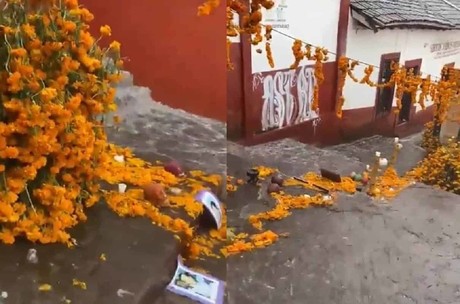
(441,14)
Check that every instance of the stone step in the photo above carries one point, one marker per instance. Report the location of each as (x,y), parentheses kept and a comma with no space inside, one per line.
(294,158)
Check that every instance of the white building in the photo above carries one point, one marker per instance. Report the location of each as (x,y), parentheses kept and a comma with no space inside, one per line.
(420,34)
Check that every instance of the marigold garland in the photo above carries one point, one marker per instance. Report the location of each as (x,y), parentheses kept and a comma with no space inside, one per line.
(343,69)
(268,49)
(298,54)
(230,65)
(404,80)
(250,21)
(319,57)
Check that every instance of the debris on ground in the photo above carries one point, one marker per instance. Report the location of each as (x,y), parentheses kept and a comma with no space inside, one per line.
(32,256)
(45,287)
(79,284)
(122,293)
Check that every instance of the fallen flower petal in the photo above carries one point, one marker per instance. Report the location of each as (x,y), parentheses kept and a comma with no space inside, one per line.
(45,287)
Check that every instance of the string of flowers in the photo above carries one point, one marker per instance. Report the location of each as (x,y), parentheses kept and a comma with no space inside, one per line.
(250,17)
(268,49)
(404,80)
(344,68)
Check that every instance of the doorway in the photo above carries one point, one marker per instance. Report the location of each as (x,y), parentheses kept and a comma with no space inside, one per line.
(384,98)
(406,101)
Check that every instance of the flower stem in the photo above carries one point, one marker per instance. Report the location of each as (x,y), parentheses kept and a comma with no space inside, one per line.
(30,200)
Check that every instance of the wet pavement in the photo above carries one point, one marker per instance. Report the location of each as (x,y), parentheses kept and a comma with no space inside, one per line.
(358,251)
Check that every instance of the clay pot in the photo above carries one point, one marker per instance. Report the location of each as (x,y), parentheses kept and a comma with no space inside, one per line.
(273,188)
(277,179)
(174,167)
(155,194)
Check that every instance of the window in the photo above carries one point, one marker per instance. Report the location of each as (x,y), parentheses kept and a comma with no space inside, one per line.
(447,70)
(384,99)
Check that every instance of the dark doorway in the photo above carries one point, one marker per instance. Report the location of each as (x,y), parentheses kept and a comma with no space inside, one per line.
(384,99)
(406,101)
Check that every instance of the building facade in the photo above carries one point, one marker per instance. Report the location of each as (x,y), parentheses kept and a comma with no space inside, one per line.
(276,102)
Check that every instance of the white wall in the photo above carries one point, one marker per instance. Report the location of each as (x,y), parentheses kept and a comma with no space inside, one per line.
(365,45)
(236,21)
(312,21)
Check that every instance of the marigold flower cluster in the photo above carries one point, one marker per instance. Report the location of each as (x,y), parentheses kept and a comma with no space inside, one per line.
(55,85)
(441,168)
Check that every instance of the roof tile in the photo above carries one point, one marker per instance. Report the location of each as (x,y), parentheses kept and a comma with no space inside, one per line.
(386,13)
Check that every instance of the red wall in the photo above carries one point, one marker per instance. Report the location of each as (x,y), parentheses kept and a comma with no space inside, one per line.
(178,55)
(235,95)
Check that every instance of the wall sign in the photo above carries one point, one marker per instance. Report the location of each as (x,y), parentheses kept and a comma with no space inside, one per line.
(277,16)
(445,49)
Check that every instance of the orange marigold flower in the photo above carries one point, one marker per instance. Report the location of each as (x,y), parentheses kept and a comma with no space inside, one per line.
(9,152)
(115,45)
(71,4)
(105,30)
(20,52)
(14,82)
(69,26)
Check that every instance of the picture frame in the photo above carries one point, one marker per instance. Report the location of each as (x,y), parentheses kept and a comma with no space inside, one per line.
(212,204)
(196,286)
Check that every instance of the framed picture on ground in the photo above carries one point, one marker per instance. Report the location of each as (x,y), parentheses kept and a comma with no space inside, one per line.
(212,204)
(196,286)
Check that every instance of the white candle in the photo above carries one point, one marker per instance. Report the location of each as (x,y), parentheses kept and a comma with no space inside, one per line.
(383,162)
(122,188)
(119,158)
